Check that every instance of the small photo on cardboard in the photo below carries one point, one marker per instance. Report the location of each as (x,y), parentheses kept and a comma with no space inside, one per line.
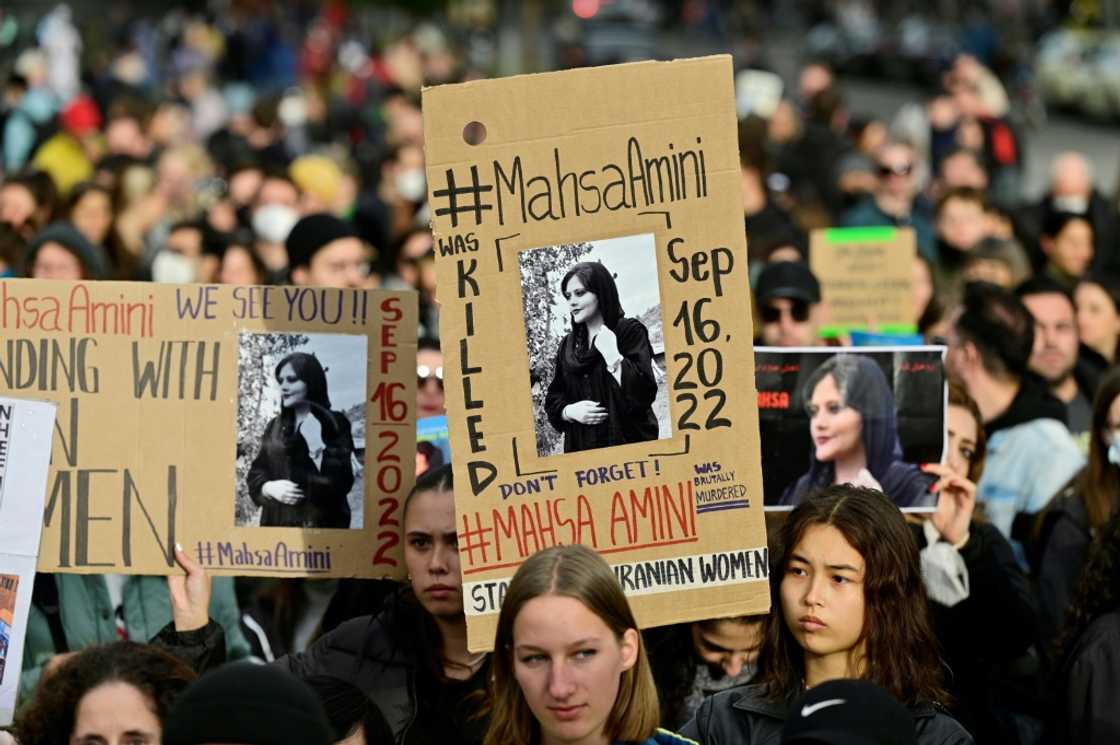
(301,420)
(596,347)
(879,412)
(9,583)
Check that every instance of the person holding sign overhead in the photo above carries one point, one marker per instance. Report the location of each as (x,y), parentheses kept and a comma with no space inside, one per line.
(302,473)
(569,663)
(855,437)
(603,391)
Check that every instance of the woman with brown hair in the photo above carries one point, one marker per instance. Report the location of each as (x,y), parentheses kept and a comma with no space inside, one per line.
(974,583)
(569,665)
(1080,510)
(848,602)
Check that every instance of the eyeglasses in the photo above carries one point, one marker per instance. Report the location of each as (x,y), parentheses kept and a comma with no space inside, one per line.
(425,373)
(900,170)
(798,310)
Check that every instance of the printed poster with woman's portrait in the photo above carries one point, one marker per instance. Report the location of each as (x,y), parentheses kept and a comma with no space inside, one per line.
(871,416)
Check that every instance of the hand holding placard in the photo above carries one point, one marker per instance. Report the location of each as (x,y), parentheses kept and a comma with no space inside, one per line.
(190,594)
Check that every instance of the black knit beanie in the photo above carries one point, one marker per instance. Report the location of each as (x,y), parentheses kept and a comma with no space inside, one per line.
(312,233)
(93,257)
(247,704)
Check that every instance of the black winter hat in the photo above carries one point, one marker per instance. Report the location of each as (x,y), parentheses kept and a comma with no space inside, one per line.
(788,279)
(247,704)
(312,233)
(849,712)
(93,257)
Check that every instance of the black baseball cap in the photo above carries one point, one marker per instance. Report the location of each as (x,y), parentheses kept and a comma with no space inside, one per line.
(849,712)
(788,279)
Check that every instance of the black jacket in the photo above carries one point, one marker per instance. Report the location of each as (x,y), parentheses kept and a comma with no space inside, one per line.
(284,455)
(1063,543)
(1092,680)
(202,649)
(1033,401)
(741,716)
(383,656)
(985,638)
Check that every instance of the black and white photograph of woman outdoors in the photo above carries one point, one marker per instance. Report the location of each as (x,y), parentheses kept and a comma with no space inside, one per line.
(597,371)
(301,411)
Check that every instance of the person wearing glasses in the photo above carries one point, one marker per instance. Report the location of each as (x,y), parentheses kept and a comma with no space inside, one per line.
(893,202)
(429,378)
(789,298)
(324,251)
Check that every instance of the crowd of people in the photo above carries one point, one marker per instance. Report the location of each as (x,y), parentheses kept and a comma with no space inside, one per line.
(221,151)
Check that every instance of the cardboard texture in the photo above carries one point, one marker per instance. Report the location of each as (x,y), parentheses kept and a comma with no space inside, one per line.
(177,423)
(25,453)
(643,442)
(866,277)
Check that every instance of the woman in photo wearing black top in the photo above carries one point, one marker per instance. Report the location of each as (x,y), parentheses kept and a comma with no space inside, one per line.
(603,391)
(302,474)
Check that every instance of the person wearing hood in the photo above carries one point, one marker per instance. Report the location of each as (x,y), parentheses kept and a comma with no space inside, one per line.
(33,108)
(853,426)
(60,251)
(1030,451)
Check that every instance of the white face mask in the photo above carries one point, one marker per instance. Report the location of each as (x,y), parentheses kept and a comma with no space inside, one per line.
(411,185)
(1076,205)
(273,222)
(1114,451)
(172,267)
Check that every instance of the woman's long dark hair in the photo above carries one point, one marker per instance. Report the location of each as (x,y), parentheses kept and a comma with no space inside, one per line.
(1100,480)
(863,386)
(49,717)
(598,280)
(901,648)
(308,369)
(1097,593)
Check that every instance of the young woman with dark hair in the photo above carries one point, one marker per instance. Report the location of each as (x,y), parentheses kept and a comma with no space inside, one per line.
(848,602)
(852,423)
(302,474)
(109,695)
(1088,648)
(1080,510)
(603,389)
(411,659)
(974,582)
(692,661)
(1097,297)
(569,664)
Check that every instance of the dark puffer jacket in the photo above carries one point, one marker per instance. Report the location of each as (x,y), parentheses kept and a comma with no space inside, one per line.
(743,716)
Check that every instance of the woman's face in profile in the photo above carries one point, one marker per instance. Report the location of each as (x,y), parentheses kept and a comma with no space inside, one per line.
(292,390)
(962,440)
(581,301)
(115,713)
(834,426)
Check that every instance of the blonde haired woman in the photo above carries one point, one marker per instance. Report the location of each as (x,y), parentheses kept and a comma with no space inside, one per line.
(569,665)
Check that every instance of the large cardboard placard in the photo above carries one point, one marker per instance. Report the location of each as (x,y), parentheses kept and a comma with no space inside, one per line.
(25,454)
(867,278)
(180,421)
(626,179)
(898,395)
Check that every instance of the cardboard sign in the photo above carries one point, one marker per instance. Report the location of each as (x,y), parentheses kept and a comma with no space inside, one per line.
(822,409)
(867,279)
(597,333)
(25,454)
(269,430)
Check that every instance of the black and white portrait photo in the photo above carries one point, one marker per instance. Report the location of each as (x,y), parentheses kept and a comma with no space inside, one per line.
(595,340)
(301,430)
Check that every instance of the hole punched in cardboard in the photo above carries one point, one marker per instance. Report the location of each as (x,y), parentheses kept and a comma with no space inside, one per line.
(474,133)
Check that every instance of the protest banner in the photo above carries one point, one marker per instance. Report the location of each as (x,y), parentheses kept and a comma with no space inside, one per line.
(867,278)
(25,453)
(882,408)
(602,207)
(269,430)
